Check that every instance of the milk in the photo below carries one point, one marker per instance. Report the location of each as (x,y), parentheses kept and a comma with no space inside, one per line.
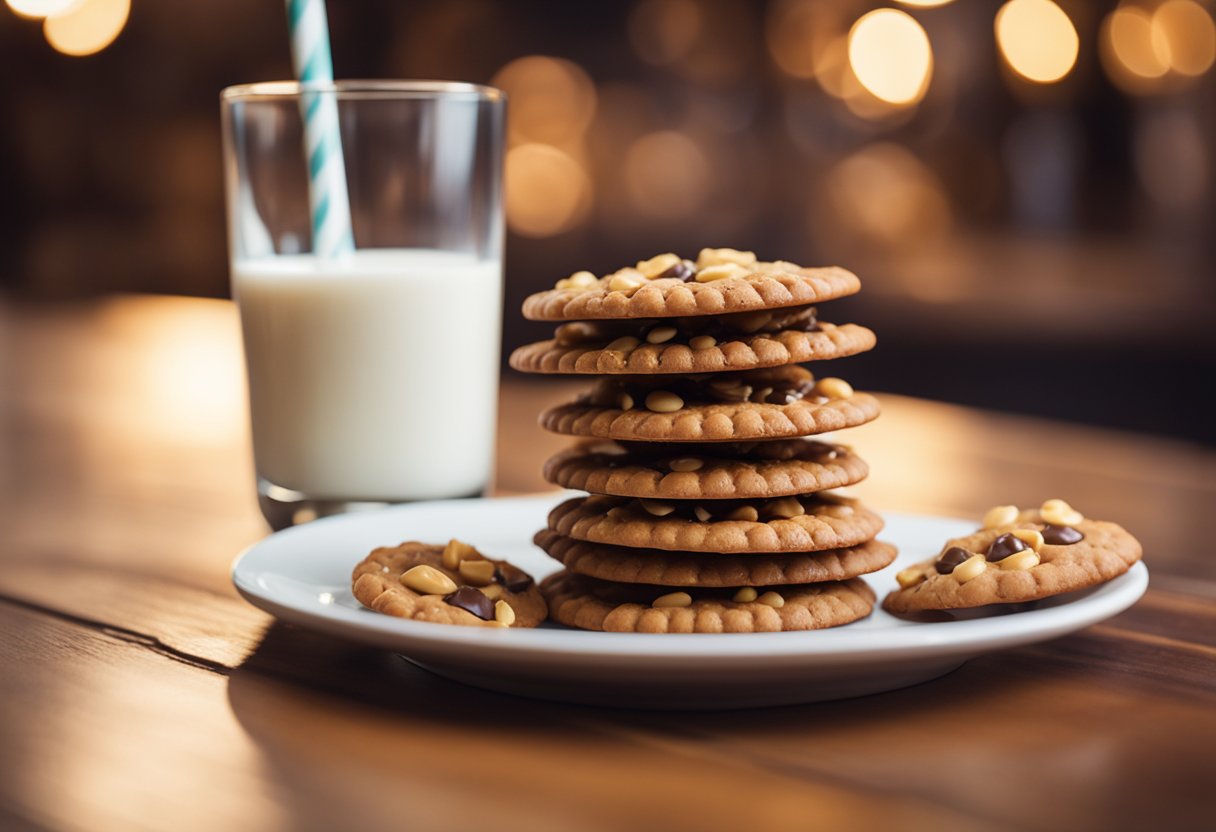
(373,377)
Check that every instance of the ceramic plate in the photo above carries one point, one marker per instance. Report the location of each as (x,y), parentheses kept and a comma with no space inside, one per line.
(302,575)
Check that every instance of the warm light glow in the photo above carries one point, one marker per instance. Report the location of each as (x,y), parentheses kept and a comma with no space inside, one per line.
(663,31)
(666,175)
(1037,39)
(1184,37)
(885,195)
(88,27)
(41,8)
(1127,44)
(925,4)
(889,53)
(798,31)
(547,192)
(552,100)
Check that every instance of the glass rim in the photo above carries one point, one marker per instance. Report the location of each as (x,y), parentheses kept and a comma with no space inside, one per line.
(370,88)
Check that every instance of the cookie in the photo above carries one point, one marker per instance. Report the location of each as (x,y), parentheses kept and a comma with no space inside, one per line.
(580,601)
(629,354)
(773,403)
(758,286)
(680,472)
(649,566)
(788,524)
(450,585)
(1027,559)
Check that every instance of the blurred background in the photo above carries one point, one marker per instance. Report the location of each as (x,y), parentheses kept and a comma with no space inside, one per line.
(1027,188)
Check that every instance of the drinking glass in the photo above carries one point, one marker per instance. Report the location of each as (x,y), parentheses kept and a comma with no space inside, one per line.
(373,374)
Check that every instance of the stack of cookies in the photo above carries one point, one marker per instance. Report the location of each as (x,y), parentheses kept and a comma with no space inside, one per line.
(710,508)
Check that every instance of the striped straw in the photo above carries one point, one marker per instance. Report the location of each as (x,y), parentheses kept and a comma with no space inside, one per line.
(327,194)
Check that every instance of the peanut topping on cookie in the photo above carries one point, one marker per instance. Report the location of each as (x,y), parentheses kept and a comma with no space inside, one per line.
(834,388)
(661,401)
(455,552)
(724,256)
(476,572)
(626,281)
(720,272)
(771,599)
(745,595)
(686,463)
(427,580)
(910,577)
(578,280)
(504,614)
(1025,559)
(657,265)
(970,569)
(673,599)
(1031,537)
(1059,513)
(1000,516)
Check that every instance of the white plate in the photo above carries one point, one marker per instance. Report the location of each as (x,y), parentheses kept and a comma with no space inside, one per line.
(302,575)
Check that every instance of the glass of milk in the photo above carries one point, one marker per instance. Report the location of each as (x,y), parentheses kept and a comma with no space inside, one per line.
(373,375)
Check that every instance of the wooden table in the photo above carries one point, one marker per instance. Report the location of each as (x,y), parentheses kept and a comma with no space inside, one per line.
(139,692)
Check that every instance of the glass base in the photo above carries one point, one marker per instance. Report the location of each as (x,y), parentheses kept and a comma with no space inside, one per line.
(283,507)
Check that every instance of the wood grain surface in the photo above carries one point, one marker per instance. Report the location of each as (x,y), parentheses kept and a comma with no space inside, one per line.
(139,692)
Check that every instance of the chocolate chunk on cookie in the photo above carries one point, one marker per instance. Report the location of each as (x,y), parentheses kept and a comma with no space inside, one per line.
(653,566)
(788,524)
(1020,556)
(699,472)
(452,584)
(590,604)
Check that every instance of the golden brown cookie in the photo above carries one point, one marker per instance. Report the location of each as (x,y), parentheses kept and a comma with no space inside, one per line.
(772,403)
(451,584)
(1024,561)
(580,601)
(700,472)
(633,355)
(652,566)
(759,286)
(787,524)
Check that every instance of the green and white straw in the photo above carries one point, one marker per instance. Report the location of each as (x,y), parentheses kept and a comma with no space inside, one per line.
(328,198)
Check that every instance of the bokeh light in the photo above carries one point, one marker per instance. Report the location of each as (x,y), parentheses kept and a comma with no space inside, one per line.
(1037,39)
(87,27)
(667,175)
(1184,37)
(664,31)
(41,8)
(552,100)
(890,54)
(885,195)
(546,190)
(1127,47)
(924,4)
